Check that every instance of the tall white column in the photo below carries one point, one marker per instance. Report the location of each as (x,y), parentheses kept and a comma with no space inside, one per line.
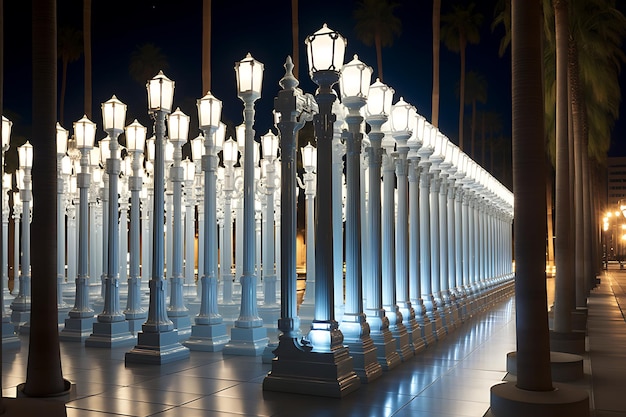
(374,310)
(339,151)
(309,189)
(353,325)
(402,244)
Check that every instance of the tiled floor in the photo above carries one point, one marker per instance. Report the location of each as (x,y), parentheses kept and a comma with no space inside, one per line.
(450,378)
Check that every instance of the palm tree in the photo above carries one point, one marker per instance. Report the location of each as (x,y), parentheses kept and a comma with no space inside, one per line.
(70,47)
(146,61)
(492,124)
(436,47)
(87,50)
(206,46)
(563,297)
(44,377)
(533,343)
(295,41)
(376,25)
(1,196)
(475,92)
(460,27)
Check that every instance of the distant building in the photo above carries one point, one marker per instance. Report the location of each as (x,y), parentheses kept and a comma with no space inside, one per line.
(616,180)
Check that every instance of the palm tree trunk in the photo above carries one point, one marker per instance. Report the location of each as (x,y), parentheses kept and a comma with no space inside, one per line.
(462,92)
(379,55)
(562,298)
(533,344)
(62,95)
(483,152)
(87,52)
(577,115)
(295,41)
(474,129)
(436,47)
(3,196)
(549,216)
(206,46)
(44,376)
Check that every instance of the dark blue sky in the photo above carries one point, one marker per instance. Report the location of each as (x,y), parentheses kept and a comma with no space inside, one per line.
(262,28)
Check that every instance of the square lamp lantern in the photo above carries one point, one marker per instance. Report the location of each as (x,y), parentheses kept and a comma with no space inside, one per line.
(249,73)
(160,93)
(84,133)
(325,50)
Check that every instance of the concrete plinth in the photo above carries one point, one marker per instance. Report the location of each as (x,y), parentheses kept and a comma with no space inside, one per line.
(9,340)
(402,341)
(62,315)
(297,369)
(135,321)
(438,331)
(568,342)
(182,323)
(361,348)
(157,349)
(509,401)
(564,367)
(246,341)
(207,337)
(77,329)
(110,335)
(19,318)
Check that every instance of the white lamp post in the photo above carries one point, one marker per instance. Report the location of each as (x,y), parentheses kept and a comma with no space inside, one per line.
(354,85)
(189,236)
(402,124)
(61,139)
(21,303)
(248,337)
(111,328)
(177,311)
(208,332)
(197,150)
(158,340)
(325,51)
(309,162)
(9,340)
(269,142)
(230,158)
(135,142)
(377,113)
(78,325)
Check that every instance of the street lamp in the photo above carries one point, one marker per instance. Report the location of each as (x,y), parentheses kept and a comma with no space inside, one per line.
(354,85)
(158,340)
(309,162)
(269,142)
(208,332)
(325,51)
(248,336)
(111,328)
(377,113)
(178,128)
(22,303)
(61,142)
(229,154)
(135,142)
(402,120)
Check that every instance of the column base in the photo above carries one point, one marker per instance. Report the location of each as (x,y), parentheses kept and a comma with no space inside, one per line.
(62,315)
(437,326)
(268,353)
(20,318)
(510,401)
(402,341)
(207,337)
(135,321)
(383,340)
(182,324)
(246,341)
(416,341)
(564,367)
(157,349)
(568,342)
(77,329)
(10,341)
(356,335)
(110,335)
(297,369)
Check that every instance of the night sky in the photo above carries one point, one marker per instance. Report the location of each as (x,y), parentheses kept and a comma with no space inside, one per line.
(263,28)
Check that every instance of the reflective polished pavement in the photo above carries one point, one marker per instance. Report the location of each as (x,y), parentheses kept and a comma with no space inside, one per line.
(450,378)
